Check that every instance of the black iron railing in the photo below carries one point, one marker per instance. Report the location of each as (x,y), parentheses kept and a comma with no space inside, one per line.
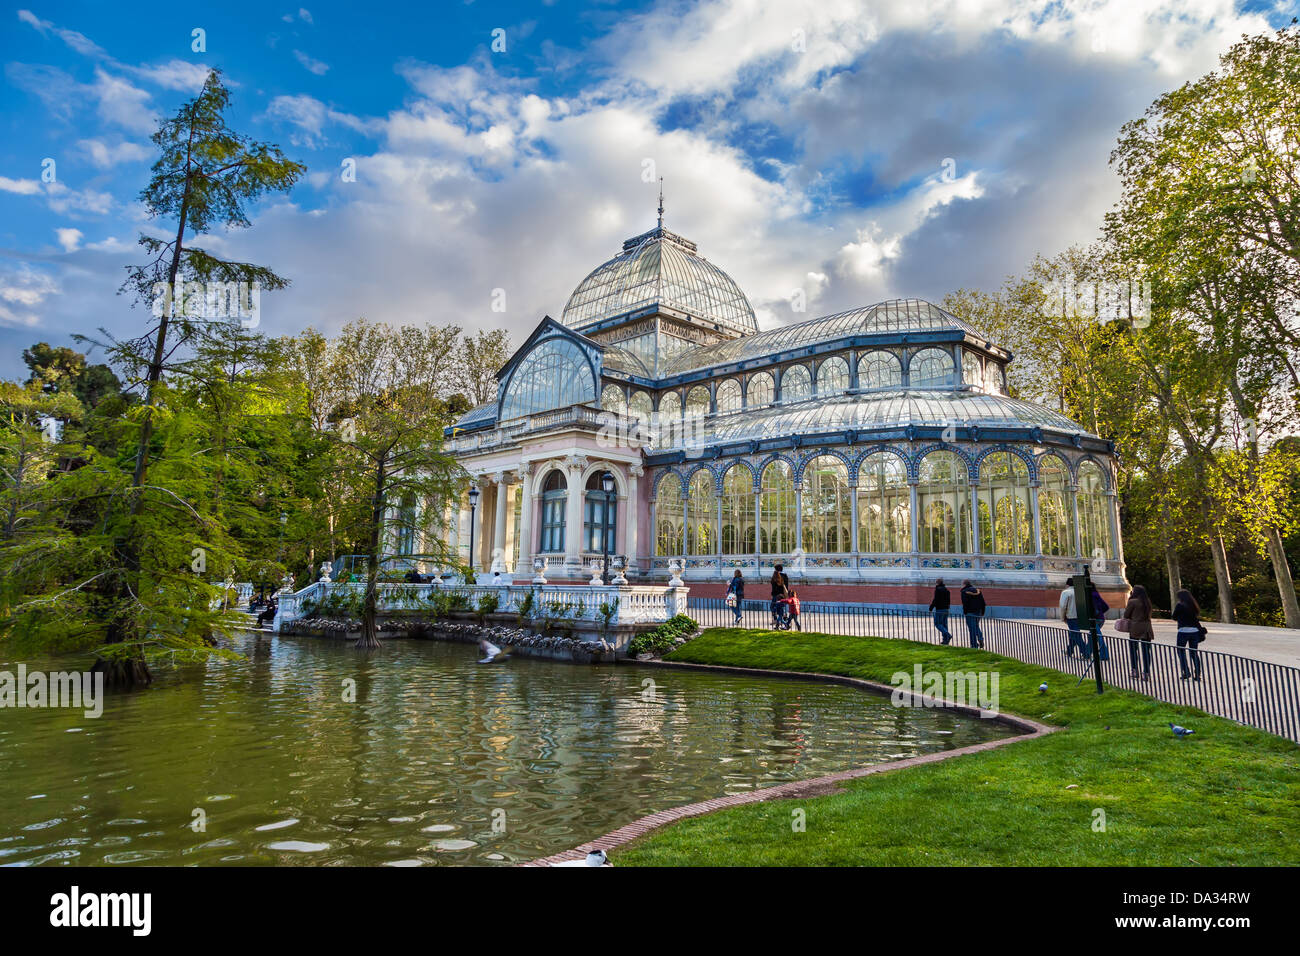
(1258,693)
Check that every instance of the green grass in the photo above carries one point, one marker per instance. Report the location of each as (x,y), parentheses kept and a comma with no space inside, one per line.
(1226,796)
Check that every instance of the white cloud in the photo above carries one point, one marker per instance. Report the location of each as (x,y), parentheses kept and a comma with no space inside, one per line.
(311,65)
(69,239)
(24,187)
(105,155)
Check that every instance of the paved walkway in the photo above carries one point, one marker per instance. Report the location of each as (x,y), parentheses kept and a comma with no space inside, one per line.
(1277,645)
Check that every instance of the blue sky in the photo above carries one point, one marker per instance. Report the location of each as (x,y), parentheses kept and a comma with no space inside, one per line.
(847,150)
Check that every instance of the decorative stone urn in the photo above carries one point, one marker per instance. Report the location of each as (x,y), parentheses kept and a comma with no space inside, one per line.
(596,575)
(326,572)
(539,569)
(675,568)
(620,566)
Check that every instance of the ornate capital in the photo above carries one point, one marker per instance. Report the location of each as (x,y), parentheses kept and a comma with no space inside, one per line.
(636,469)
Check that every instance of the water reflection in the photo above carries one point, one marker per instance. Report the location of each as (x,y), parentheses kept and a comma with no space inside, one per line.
(437,761)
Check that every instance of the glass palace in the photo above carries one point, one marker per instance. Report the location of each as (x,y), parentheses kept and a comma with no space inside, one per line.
(870,452)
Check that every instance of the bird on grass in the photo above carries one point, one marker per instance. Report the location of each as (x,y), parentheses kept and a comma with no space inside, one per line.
(1181,731)
(1042,688)
(594,858)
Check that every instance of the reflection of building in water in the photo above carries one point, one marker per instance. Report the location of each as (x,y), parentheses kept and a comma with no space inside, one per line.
(870,451)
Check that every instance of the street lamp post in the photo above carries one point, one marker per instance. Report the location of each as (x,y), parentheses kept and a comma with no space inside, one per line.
(607,485)
(473,505)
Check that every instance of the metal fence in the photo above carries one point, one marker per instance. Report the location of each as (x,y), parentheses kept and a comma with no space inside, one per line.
(1258,693)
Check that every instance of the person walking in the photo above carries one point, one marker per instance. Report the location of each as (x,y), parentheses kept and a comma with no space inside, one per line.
(939,604)
(780,589)
(1099,609)
(973,607)
(1190,634)
(1137,612)
(1070,614)
(736,593)
(792,602)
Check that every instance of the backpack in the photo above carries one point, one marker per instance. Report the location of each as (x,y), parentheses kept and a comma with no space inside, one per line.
(1099,606)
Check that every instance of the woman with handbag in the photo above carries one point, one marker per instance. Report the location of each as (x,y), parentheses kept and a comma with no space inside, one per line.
(1135,623)
(736,593)
(1190,634)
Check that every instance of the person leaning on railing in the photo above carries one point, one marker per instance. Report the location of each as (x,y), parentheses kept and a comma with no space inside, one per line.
(1135,622)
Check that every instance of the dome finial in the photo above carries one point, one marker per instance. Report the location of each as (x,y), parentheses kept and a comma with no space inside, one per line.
(661,202)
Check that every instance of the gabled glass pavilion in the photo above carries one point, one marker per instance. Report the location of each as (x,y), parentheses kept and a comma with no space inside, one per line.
(870,451)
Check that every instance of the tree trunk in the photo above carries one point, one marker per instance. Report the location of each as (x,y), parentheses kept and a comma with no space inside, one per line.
(1223,579)
(369,609)
(1175,571)
(1285,582)
(123,675)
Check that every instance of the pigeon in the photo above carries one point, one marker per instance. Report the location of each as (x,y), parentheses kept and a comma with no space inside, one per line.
(594,858)
(491,653)
(1042,688)
(1181,731)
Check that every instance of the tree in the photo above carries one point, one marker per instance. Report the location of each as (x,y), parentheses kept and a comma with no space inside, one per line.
(1211,205)
(388,388)
(484,355)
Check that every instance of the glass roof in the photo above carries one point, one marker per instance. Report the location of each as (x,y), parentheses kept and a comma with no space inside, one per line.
(891,409)
(619,359)
(660,267)
(895,315)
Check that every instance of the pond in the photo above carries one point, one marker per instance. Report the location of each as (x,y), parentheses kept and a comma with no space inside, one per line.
(435,760)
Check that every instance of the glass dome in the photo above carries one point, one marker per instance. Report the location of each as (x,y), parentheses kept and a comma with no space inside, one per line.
(660,268)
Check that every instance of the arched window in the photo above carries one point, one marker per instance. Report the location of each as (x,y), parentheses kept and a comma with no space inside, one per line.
(668,517)
(598,516)
(761,389)
(943,503)
(1094,513)
(776,509)
(796,384)
(701,514)
(670,419)
(972,372)
(1055,511)
(930,368)
(832,377)
(555,497)
(880,370)
(697,402)
(827,510)
(614,399)
(555,374)
(1006,521)
(884,505)
(728,396)
(994,379)
(639,406)
(738,511)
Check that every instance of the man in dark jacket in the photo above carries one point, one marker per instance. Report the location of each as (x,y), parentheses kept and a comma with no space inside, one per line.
(939,604)
(972,606)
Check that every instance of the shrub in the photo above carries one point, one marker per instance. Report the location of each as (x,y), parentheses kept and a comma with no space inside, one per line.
(487,604)
(661,639)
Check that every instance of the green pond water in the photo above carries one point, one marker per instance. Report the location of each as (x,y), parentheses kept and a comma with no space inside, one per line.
(438,761)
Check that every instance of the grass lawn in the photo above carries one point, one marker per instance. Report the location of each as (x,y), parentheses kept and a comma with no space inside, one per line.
(1229,795)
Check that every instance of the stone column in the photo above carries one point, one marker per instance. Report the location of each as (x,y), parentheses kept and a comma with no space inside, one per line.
(632,516)
(916,519)
(499,525)
(526,517)
(853,517)
(1033,503)
(573,513)
(1074,508)
(798,515)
